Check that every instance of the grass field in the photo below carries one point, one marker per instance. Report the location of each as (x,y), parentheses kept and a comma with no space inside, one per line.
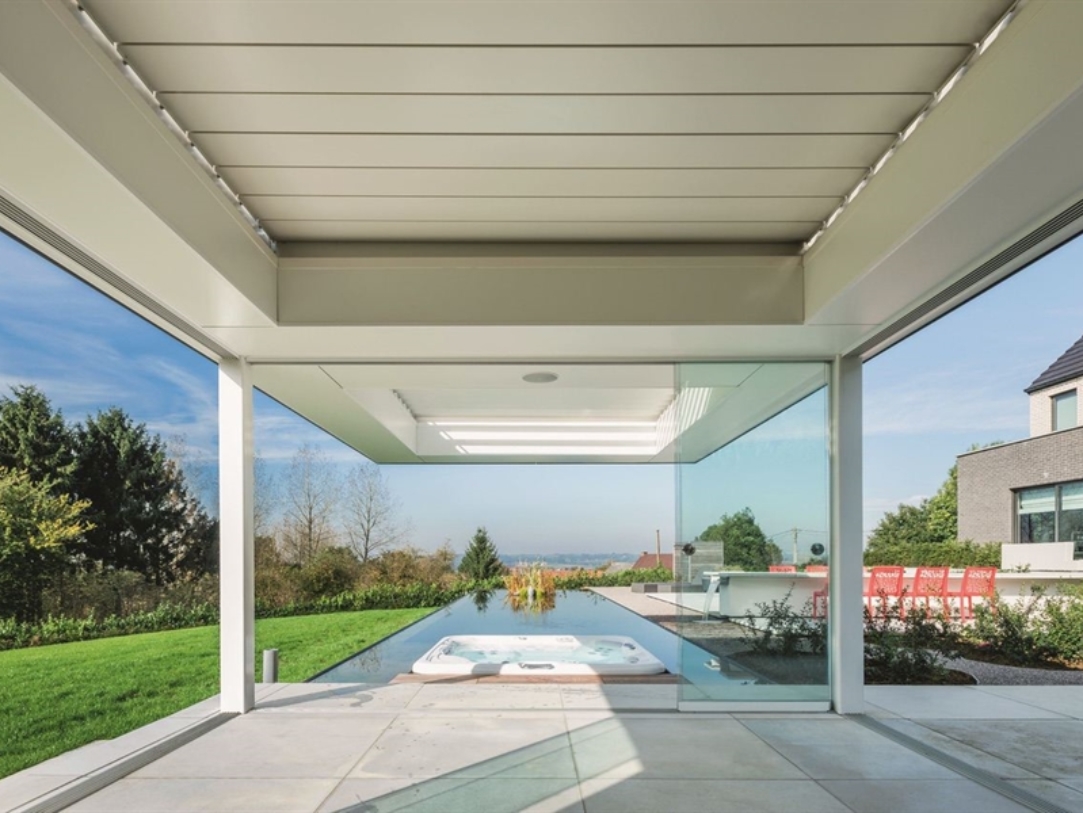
(55,698)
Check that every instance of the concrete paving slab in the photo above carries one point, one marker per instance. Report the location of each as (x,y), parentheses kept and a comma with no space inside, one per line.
(920,796)
(455,795)
(417,747)
(715,795)
(951,703)
(1055,792)
(208,795)
(620,696)
(972,756)
(308,698)
(274,746)
(1049,748)
(491,696)
(669,748)
(844,750)
(1066,700)
(20,788)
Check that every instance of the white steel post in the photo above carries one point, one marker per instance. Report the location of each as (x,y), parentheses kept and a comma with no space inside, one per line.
(236,543)
(847,544)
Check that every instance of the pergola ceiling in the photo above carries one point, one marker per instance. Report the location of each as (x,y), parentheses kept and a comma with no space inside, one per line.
(645,121)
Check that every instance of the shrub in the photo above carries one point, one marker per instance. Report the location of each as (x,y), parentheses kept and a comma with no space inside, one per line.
(1015,631)
(908,646)
(776,629)
(1063,632)
(581,579)
(934,554)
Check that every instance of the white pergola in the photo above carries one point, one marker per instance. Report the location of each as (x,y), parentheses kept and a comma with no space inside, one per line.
(304,188)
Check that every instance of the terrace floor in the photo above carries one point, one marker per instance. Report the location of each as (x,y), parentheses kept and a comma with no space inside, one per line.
(597,747)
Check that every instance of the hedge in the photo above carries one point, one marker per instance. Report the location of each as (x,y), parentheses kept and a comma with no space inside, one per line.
(934,554)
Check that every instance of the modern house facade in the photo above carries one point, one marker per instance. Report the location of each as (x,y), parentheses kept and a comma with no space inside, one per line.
(424,225)
(1029,494)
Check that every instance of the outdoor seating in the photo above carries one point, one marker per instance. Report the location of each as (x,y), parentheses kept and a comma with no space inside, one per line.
(782,568)
(929,583)
(978,582)
(884,583)
(819,597)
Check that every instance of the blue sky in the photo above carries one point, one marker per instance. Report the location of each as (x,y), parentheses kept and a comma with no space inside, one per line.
(956,383)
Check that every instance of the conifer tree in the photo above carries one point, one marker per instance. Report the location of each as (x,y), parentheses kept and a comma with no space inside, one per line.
(481,560)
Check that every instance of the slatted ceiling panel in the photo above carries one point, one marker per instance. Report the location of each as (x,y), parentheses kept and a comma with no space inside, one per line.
(539,231)
(353,113)
(518,209)
(557,152)
(636,183)
(722,22)
(724,120)
(763,69)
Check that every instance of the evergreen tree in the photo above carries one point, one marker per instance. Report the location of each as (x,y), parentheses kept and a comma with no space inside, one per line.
(35,439)
(481,561)
(744,544)
(144,518)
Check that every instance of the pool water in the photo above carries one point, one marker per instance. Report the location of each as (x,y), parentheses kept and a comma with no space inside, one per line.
(575,613)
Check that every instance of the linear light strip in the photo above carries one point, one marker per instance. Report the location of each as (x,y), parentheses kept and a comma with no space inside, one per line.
(571,424)
(646,437)
(112,50)
(979,48)
(647,451)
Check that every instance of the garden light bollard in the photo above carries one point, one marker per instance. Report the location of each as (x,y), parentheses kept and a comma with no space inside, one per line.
(270,666)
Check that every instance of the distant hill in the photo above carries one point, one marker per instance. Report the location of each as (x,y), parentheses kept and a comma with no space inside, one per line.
(568,560)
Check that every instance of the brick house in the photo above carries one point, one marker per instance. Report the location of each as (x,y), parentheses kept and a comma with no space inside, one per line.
(1029,494)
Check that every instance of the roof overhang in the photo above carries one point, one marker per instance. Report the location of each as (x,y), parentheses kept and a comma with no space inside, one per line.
(651,263)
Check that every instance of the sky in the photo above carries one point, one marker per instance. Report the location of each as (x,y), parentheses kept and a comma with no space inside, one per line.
(958,382)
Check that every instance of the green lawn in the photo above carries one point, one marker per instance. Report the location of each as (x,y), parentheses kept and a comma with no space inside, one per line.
(55,698)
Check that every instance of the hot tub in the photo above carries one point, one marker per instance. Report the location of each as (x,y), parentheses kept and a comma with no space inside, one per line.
(538,655)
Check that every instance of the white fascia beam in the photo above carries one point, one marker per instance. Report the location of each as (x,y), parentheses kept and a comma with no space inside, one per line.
(539,284)
(83,153)
(996,158)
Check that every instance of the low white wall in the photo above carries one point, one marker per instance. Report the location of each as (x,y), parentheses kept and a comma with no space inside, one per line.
(1040,556)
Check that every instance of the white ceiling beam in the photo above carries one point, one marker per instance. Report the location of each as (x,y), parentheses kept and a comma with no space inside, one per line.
(70,121)
(996,158)
(586,22)
(498,284)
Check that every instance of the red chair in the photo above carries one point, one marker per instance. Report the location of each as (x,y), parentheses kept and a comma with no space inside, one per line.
(782,568)
(929,583)
(884,583)
(819,597)
(978,582)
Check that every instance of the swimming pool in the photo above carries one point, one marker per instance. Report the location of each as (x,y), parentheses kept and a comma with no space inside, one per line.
(575,613)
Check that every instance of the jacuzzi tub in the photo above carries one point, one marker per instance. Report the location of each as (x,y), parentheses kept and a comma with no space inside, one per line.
(538,655)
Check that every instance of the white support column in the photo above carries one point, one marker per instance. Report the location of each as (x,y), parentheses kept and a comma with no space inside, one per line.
(236,543)
(846,622)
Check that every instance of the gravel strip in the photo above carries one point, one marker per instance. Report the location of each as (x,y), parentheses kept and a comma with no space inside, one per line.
(995,674)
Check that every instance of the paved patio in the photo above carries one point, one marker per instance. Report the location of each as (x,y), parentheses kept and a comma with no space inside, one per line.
(595,748)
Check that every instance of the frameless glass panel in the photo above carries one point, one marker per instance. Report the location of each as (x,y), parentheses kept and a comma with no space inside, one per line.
(1071,516)
(1065,410)
(751,446)
(1037,514)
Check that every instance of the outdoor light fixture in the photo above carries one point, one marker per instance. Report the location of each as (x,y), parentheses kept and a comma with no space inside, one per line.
(540,378)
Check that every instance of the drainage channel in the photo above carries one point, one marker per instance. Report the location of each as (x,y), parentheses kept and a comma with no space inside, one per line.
(984,778)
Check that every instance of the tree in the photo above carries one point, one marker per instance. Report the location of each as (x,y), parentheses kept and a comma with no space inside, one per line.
(310,495)
(371,513)
(481,561)
(34,438)
(744,544)
(144,518)
(36,528)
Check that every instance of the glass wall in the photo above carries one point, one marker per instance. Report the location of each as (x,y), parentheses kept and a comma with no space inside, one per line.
(752,453)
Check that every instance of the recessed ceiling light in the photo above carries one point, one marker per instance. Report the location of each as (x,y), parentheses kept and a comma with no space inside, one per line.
(540,378)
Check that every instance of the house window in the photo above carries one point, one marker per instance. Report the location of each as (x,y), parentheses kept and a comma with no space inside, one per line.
(1052,514)
(1065,410)
(1038,515)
